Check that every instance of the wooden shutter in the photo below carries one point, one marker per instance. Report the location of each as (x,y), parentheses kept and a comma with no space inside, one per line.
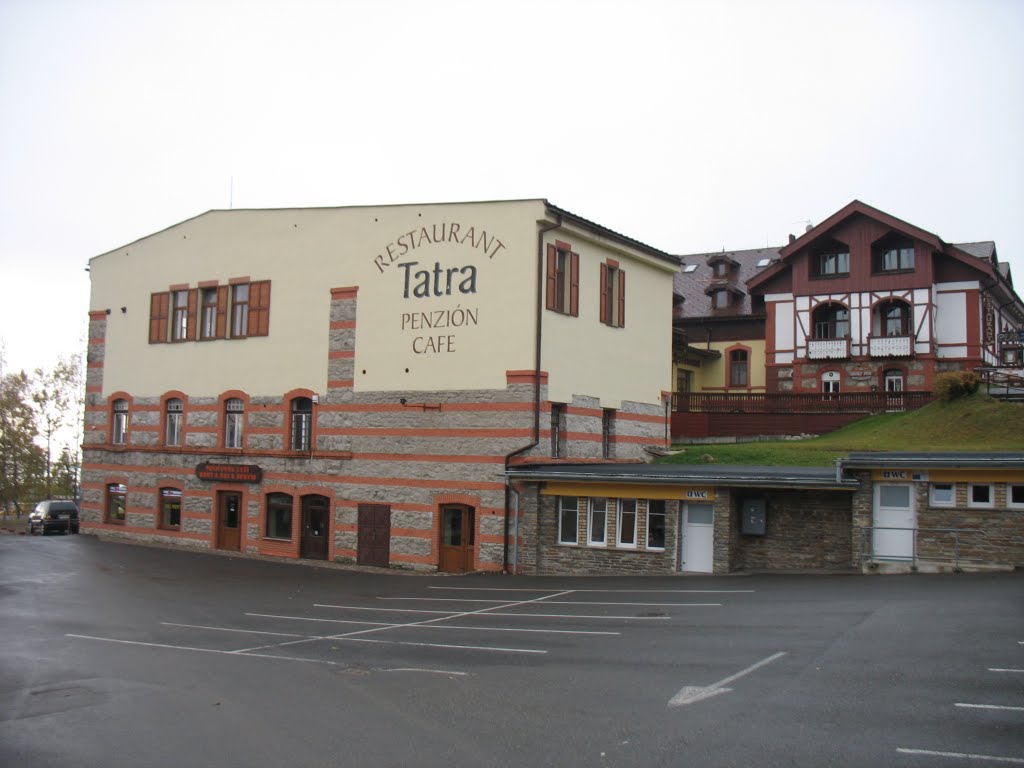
(574,284)
(158,306)
(551,295)
(191,323)
(221,328)
(604,293)
(259,308)
(622,299)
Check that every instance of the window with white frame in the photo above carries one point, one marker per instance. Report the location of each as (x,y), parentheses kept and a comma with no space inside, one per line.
(942,495)
(1015,495)
(173,421)
(626,523)
(234,415)
(980,495)
(119,434)
(568,520)
(655,523)
(597,522)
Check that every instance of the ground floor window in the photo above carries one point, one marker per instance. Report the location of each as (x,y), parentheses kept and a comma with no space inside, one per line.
(279,516)
(626,523)
(980,495)
(170,508)
(656,524)
(568,520)
(1015,495)
(597,522)
(942,495)
(117,494)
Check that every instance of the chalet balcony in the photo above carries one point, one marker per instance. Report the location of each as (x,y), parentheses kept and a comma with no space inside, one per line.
(799,402)
(890,346)
(715,415)
(828,349)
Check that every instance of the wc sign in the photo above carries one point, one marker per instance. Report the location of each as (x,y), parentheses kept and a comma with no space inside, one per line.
(697,495)
(894,474)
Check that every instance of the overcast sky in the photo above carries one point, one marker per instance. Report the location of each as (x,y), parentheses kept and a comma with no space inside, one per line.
(692,126)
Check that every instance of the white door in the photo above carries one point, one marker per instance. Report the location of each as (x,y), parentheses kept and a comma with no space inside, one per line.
(894,522)
(697,550)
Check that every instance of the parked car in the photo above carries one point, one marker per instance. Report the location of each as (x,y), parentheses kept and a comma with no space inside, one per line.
(54,515)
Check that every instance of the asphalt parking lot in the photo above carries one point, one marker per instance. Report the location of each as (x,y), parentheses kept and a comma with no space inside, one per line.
(119,655)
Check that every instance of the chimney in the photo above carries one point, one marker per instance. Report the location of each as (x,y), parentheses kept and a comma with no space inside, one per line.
(792,237)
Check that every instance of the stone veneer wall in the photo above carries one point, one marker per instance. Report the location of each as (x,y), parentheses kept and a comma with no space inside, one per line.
(805,529)
(540,552)
(369,447)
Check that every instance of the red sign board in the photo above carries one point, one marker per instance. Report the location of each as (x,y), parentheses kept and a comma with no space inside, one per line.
(229,473)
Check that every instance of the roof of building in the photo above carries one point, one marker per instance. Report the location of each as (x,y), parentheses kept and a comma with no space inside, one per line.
(823,478)
(692,285)
(984,249)
(937,460)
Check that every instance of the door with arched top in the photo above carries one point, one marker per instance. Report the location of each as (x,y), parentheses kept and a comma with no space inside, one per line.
(457,538)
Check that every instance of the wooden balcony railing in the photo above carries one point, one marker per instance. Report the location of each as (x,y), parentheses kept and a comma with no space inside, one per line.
(802,402)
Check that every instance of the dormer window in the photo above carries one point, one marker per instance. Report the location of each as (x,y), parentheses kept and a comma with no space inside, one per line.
(832,259)
(722,266)
(893,254)
(720,298)
(723,295)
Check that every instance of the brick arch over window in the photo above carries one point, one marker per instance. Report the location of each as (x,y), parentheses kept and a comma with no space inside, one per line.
(164,513)
(892,316)
(300,419)
(115,500)
(222,400)
(738,366)
(885,371)
(173,394)
(830,320)
(119,403)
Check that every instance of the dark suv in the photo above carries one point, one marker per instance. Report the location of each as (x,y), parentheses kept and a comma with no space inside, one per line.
(54,515)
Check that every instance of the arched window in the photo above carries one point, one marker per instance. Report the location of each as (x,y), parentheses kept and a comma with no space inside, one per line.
(831,321)
(119,433)
(892,318)
(234,421)
(894,380)
(302,423)
(173,419)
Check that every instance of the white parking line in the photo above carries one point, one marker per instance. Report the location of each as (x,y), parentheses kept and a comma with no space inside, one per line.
(260,655)
(998,669)
(631,592)
(548,602)
(439,645)
(230,629)
(388,610)
(493,613)
(962,756)
(399,625)
(990,706)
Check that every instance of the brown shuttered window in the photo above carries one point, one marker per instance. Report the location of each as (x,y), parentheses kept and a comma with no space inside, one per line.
(193,312)
(551,293)
(562,280)
(613,295)
(622,300)
(259,308)
(159,303)
(221,328)
(604,293)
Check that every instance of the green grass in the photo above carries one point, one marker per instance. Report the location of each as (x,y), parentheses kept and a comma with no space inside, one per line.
(975,423)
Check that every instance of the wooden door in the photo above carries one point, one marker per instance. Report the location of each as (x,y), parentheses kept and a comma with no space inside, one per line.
(229,520)
(316,526)
(374,546)
(457,538)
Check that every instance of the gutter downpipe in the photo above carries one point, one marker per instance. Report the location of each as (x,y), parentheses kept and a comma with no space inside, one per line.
(536,397)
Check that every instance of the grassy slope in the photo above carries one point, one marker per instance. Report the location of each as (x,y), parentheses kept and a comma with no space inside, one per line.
(975,423)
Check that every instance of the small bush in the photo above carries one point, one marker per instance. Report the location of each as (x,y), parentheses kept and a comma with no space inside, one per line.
(950,386)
